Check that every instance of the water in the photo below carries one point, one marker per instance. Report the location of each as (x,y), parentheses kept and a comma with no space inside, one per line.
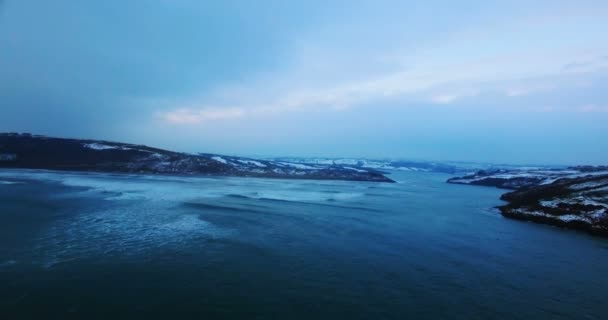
(90,246)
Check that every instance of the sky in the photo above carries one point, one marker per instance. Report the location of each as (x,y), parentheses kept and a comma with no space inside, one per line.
(521,82)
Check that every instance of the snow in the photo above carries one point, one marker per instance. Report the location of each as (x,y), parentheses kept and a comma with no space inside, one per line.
(532,212)
(298,165)
(585,174)
(326,162)
(571,217)
(550,203)
(514,175)
(602,189)
(374,165)
(355,169)
(585,216)
(101,146)
(590,184)
(346,161)
(252,162)
(578,200)
(565,218)
(462,180)
(598,214)
(323,161)
(220,159)
(355,162)
(384,166)
(542,177)
(549,181)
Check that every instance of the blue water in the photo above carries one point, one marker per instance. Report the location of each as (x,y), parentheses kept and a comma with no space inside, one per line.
(100,246)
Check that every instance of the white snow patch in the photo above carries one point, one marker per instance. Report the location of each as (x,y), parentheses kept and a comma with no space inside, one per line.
(571,217)
(602,189)
(598,214)
(568,217)
(550,203)
(579,200)
(298,166)
(220,159)
(590,184)
(549,181)
(101,146)
(252,162)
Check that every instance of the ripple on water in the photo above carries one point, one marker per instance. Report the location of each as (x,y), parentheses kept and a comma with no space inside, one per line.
(126,231)
(10,182)
(8,263)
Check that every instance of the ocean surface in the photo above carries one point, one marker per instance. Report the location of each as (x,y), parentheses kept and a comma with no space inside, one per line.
(103,246)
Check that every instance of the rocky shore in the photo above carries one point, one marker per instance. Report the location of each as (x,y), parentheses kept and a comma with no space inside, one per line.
(575,198)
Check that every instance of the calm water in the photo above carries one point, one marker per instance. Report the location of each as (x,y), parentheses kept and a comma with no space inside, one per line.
(97,245)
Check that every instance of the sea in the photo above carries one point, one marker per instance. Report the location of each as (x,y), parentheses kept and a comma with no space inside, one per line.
(118,246)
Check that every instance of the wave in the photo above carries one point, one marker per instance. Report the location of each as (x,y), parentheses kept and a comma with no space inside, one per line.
(190,189)
(124,230)
(8,263)
(10,182)
(207,206)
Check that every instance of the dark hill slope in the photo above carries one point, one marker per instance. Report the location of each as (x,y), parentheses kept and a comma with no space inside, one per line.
(40,152)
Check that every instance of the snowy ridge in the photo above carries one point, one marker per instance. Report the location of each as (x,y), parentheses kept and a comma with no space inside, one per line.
(376,165)
(521,178)
(100,146)
(219,159)
(36,152)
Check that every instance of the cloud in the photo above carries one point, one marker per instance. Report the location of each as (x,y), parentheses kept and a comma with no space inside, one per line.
(593,108)
(516,92)
(434,84)
(524,89)
(587,65)
(450,98)
(193,116)
(547,109)
(325,72)
(443,99)
(418,86)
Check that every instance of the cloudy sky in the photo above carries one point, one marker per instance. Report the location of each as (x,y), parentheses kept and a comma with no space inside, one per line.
(500,81)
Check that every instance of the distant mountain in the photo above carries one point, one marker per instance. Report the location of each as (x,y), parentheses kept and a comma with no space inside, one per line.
(575,197)
(41,152)
(381,165)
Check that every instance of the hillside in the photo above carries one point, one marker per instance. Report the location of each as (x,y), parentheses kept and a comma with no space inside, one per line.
(41,152)
(575,197)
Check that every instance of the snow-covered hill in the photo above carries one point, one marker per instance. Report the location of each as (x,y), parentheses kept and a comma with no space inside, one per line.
(380,165)
(526,177)
(575,197)
(29,151)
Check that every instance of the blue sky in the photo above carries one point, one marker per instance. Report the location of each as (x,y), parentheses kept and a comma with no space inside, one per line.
(497,81)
